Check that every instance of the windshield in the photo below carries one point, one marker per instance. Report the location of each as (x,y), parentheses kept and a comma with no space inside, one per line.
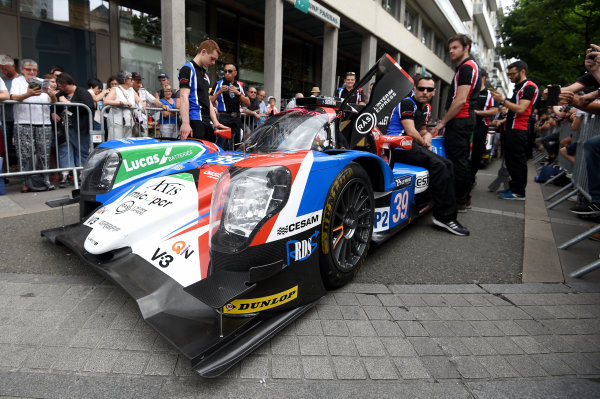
(296,129)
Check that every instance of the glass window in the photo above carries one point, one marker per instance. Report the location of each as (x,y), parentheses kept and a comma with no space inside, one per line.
(411,20)
(6,3)
(195,26)
(427,36)
(90,14)
(251,53)
(390,6)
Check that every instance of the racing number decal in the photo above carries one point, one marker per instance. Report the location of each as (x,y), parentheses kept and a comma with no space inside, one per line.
(388,217)
(400,204)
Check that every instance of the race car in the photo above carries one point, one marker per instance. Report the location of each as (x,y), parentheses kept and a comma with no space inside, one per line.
(223,249)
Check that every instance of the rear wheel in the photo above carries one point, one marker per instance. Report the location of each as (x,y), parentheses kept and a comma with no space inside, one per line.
(347,226)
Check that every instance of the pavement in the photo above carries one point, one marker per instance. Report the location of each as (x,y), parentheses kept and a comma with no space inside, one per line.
(524,329)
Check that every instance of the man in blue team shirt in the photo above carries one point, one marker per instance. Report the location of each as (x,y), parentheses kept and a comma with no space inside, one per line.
(410,118)
(229,94)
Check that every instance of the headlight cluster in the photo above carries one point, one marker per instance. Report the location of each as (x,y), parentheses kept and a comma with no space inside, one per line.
(244,198)
(100,170)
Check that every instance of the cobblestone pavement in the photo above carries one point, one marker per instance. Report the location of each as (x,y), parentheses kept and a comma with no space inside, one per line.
(64,336)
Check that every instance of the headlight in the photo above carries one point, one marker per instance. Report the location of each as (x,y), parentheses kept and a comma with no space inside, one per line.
(100,170)
(243,199)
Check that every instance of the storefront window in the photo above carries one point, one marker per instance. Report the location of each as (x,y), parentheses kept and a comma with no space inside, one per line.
(252,53)
(297,71)
(89,14)
(195,26)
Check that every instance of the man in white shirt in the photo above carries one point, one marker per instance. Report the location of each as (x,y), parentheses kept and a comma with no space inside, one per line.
(147,98)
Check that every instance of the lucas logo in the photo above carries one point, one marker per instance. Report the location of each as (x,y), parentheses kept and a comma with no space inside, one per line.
(300,250)
(146,161)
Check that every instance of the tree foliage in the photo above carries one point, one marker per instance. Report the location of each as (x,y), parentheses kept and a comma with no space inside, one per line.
(551,36)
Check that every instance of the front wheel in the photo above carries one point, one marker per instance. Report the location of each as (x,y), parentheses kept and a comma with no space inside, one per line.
(347,226)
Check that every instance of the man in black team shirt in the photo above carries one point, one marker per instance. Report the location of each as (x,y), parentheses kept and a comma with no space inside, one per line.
(459,119)
(484,110)
(196,110)
(410,118)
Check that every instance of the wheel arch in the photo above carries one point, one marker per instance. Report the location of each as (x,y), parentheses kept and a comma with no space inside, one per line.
(372,166)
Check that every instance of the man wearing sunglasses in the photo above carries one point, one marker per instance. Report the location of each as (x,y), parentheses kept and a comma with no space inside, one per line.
(228,94)
(163,79)
(410,118)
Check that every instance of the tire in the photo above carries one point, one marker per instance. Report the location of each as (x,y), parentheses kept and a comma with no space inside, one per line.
(347,226)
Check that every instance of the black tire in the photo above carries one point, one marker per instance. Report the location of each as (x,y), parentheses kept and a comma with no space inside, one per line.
(347,226)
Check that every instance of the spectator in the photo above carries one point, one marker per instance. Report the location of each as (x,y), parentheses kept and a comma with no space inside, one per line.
(459,119)
(252,112)
(520,107)
(271,108)
(344,91)
(315,91)
(168,123)
(121,120)
(33,131)
(196,109)
(95,90)
(229,95)
(3,96)
(9,74)
(148,100)
(484,110)
(3,91)
(261,98)
(56,70)
(163,79)
(292,103)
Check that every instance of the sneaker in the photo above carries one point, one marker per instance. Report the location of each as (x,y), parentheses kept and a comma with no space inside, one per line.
(503,191)
(461,208)
(452,226)
(592,208)
(509,195)
(63,182)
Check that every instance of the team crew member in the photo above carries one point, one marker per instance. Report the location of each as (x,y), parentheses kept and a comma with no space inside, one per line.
(520,107)
(410,118)
(229,93)
(344,91)
(483,111)
(459,119)
(196,110)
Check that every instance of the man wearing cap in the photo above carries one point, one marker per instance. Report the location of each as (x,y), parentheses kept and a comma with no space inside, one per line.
(141,91)
(315,92)
(163,79)
(344,91)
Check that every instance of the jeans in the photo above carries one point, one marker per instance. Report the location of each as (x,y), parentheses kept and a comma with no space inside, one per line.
(68,152)
(33,149)
(591,150)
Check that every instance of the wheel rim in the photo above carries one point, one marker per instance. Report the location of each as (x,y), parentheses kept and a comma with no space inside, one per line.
(352,225)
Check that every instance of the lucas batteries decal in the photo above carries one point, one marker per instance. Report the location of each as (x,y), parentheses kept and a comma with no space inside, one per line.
(252,305)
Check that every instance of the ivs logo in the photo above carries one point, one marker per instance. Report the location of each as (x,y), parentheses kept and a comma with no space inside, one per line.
(182,249)
(300,250)
(167,188)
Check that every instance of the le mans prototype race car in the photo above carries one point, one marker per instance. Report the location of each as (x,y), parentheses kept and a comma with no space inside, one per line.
(221,250)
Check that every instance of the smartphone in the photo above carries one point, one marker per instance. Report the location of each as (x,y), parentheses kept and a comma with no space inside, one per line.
(491,88)
(591,56)
(553,92)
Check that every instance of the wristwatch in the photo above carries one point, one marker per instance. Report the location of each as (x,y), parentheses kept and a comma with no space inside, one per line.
(501,103)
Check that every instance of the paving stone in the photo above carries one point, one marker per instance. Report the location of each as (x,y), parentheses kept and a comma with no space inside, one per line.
(24,317)
(254,366)
(75,319)
(580,363)
(581,311)
(286,367)
(390,300)
(462,328)
(263,349)
(342,298)
(411,368)
(412,329)
(469,313)
(400,313)
(341,346)
(141,341)
(538,312)
(130,362)
(317,368)
(377,313)
(114,339)
(308,327)
(533,327)
(329,312)
(554,343)
(477,299)
(87,338)
(526,366)
(425,346)
(40,303)
(285,345)
(368,300)
(552,364)
(486,328)
(522,299)
(42,358)
(437,329)
(101,360)
(397,346)
(499,300)
(579,343)
(312,345)
(335,327)
(361,328)
(100,320)
(126,321)
(498,367)
(348,368)
(369,346)
(509,327)
(440,367)
(33,336)
(434,300)
(387,328)
(380,369)
(10,334)
(72,359)
(412,300)
(61,337)
(455,300)
(353,313)
(452,346)
(54,290)
(470,367)
(365,288)
(88,305)
(14,355)
(183,368)
(436,288)
(478,346)
(327,300)
(504,345)
(447,313)
(529,344)
(423,313)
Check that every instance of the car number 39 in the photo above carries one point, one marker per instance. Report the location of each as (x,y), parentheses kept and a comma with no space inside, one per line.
(386,218)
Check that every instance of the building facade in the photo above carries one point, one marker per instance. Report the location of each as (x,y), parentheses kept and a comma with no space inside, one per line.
(283,46)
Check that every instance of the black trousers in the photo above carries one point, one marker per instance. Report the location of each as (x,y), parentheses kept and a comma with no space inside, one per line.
(479,136)
(458,137)
(203,130)
(441,179)
(515,155)
(233,122)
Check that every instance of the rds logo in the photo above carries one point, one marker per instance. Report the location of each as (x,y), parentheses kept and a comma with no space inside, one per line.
(300,250)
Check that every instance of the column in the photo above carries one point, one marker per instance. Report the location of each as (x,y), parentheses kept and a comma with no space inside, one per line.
(115,40)
(173,37)
(436,101)
(273,48)
(368,54)
(330,45)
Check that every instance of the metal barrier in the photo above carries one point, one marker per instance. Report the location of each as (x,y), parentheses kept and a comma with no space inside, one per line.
(33,143)
(124,122)
(566,166)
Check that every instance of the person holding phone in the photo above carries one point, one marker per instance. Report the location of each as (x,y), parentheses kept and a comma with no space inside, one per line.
(520,108)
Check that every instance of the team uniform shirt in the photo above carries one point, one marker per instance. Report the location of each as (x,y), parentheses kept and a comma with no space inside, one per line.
(225,103)
(26,114)
(526,90)
(408,108)
(588,80)
(485,101)
(357,97)
(467,74)
(194,77)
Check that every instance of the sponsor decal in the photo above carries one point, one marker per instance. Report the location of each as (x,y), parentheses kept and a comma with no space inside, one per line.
(384,121)
(163,259)
(92,220)
(422,181)
(101,211)
(241,306)
(403,181)
(225,160)
(108,226)
(124,207)
(298,225)
(365,123)
(300,250)
(182,249)
(328,208)
(385,100)
(151,199)
(406,142)
(167,188)
(94,242)
(211,174)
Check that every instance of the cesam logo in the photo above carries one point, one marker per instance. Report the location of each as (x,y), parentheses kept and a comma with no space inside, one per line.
(301,250)
(298,225)
(241,306)
(422,181)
